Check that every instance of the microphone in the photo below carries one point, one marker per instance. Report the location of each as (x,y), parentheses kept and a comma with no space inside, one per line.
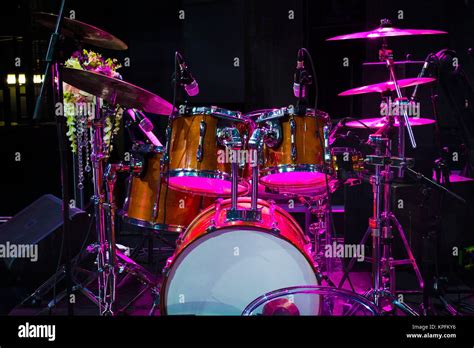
(143,121)
(426,64)
(187,80)
(341,124)
(300,73)
(144,124)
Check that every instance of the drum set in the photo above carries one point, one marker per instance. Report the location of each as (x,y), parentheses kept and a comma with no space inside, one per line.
(207,184)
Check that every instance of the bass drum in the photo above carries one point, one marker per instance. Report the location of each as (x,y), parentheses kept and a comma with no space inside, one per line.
(220,266)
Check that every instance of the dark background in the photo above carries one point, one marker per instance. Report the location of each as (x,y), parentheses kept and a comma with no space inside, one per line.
(212,35)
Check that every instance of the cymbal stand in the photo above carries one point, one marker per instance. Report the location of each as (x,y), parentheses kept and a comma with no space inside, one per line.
(106,250)
(386,55)
(122,263)
(380,227)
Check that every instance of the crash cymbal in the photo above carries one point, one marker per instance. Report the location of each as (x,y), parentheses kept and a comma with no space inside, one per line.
(116,91)
(387,86)
(375,123)
(386,32)
(80,31)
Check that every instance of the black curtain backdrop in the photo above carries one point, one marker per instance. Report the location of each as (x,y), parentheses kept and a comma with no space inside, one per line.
(213,34)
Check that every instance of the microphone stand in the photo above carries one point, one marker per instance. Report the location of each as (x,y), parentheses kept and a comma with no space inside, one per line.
(53,73)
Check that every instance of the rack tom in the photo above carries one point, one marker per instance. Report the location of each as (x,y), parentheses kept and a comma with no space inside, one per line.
(295,158)
(150,203)
(198,160)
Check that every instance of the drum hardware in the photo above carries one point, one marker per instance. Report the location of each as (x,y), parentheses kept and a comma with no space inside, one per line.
(233,141)
(377,123)
(229,137)
(386,55)
(292,138)
(381,230)
(249,253)
(193,168)
(120,263)
(380,223)
(326,302)
(293,160)
(202,133)
(53,72)
(144,124)
(147,194)
(114,91)
(83,33)
(322,235)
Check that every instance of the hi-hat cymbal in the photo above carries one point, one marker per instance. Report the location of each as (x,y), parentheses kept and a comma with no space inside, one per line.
(386,32)
(387,86)
(116,91)
(80,31)
(376,123)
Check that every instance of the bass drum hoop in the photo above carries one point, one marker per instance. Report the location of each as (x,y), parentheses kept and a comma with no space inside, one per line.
(175,258)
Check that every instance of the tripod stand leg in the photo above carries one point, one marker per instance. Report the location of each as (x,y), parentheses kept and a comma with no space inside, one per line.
(408,250)
(404,307)
(351,264)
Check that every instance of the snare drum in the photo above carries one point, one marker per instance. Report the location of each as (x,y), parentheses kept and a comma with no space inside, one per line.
(220,266)
(150,203)
(296,158)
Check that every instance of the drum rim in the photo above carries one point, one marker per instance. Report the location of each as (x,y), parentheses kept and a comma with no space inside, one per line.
(293,168)
(343,149)
(305,190)
(308,289)
(215,111)
(148,148)
(277,113)
(151,225)
(260,112)
(168,267)
(245,199)
(206,174)
(191,172)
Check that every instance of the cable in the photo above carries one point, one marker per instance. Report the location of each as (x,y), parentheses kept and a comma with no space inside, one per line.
(168,141)
(315,78)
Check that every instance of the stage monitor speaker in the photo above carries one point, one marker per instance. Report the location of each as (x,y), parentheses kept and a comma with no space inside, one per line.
(31,242)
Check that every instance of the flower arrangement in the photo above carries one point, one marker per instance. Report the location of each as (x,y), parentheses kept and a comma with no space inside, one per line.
(79,119)
(90,61)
